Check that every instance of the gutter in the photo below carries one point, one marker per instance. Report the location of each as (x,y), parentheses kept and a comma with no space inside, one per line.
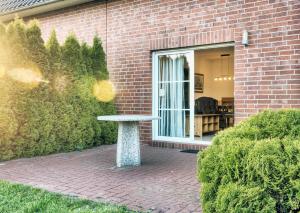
(40,9)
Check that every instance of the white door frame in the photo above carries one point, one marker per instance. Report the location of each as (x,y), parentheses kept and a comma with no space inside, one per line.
(155,76)
(190,53)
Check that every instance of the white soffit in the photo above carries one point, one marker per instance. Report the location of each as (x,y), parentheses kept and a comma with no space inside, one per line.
(40,8)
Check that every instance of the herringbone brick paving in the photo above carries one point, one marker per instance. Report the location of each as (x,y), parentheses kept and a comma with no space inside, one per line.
(166,181)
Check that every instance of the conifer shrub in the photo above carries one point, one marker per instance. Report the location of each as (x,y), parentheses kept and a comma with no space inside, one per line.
(58,114)
(254,166)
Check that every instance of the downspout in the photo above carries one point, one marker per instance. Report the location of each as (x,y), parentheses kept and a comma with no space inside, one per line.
(106,4)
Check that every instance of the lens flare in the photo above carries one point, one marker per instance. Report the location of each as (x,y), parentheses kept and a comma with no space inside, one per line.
(104,91)
(30,76)
(25,75)
(2,72)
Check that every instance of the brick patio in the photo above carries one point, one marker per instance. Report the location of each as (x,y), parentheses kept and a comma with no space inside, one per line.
(166,182)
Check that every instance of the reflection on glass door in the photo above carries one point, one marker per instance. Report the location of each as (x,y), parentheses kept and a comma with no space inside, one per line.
(173,95)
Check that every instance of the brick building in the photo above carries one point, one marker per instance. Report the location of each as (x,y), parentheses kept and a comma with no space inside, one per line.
(182,59)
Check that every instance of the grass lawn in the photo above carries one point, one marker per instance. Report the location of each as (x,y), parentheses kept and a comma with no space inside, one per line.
(19,198)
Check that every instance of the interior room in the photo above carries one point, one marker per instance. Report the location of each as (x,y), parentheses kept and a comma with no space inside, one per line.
(214,92)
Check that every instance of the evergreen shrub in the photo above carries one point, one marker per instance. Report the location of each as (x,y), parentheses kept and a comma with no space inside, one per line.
(59,113)
(254,166)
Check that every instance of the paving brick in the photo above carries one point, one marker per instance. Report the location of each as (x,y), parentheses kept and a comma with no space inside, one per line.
(166,181)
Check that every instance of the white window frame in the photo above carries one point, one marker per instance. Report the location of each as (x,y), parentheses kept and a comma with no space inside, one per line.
(155,108)
(190,52)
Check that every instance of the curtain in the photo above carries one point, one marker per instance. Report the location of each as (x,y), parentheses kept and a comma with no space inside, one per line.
(171,96)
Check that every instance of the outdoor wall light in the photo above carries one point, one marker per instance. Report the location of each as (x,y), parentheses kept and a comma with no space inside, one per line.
(245,38)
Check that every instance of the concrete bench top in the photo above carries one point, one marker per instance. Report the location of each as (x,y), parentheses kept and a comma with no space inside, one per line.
(125,118)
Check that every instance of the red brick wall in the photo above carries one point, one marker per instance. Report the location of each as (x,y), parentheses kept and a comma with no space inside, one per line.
(267,72)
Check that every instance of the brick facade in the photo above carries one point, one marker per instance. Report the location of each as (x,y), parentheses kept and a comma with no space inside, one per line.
(267,72)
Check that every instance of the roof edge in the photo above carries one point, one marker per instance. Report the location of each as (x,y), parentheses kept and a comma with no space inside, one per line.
(40,8)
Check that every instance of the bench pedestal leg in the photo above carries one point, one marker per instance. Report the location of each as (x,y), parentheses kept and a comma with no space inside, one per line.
(128,147)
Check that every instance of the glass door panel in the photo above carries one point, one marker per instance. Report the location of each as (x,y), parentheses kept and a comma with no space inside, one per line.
(173,95)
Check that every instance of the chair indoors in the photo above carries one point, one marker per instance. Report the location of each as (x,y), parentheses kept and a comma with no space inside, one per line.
(228,110)
(206,105)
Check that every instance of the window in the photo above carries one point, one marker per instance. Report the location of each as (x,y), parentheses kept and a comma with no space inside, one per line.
(171,83)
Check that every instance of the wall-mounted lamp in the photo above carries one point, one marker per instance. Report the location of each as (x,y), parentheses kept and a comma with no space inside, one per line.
(245,38)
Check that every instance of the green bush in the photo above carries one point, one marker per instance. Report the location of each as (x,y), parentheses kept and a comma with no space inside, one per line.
(38,119)
(254,166)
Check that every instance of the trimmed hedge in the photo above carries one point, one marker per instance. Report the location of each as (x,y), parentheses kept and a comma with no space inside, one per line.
(253,167)
(55,117)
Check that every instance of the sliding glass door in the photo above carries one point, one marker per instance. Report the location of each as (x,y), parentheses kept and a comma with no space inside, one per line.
(173,81)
